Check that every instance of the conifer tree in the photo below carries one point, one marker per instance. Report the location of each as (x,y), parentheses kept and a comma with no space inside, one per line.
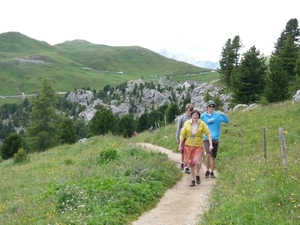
(68,135)
(226,62)
(277,81)
(249,82)
(45,130)
(171,112)
(102,122)
(292,29)
(230,58)
(143,123)
(289,55)
(126,126)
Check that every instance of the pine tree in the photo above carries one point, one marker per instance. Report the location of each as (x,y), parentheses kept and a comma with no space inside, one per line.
(171,112)
(277,81)
(68,135)
(45,129)
(226,62)
(102,122)
(289,55)
(291,29)
(143,123)
(249,82)
(126,126)
(236,48)
(230,58)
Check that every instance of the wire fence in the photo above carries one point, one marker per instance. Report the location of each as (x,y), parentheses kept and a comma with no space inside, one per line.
(282,143)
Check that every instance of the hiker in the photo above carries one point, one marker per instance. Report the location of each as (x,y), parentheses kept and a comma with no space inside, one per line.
(193,131)
(188,109)
(213,119)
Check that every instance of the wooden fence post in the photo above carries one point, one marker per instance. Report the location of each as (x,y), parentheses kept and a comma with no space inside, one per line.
(241,135)
(265,144)
(283,148)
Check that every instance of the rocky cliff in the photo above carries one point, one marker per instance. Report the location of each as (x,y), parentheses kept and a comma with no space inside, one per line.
(150,98)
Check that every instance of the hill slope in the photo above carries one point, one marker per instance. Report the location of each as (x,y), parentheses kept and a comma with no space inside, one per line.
(76,64)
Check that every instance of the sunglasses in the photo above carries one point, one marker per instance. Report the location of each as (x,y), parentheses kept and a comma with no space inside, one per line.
(212,106)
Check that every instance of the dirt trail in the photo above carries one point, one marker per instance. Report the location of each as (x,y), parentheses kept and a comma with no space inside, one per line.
(181,204)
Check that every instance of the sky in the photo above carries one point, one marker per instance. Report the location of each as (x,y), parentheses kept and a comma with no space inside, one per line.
(196,28)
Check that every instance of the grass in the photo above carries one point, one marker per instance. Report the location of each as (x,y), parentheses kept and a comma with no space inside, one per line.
(80,64)
(251,189)
(108,180)
(102,181)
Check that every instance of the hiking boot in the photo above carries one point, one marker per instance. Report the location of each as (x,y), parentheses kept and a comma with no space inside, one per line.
(181,166)
(187,170)
(211,175)
(198,180)
(192,183)
(206,175)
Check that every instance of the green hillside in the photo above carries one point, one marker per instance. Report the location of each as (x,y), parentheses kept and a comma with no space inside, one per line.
(254,185)
(107,180)
(77,64)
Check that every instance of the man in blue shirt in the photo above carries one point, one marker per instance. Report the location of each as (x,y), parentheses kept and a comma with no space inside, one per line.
(213,119)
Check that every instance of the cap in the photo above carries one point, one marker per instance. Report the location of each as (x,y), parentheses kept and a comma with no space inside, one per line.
(210,102)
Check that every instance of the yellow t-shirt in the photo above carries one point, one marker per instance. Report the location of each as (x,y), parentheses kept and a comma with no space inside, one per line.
(194,138)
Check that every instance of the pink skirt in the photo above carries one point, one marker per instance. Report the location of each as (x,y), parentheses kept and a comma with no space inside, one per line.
(193,155)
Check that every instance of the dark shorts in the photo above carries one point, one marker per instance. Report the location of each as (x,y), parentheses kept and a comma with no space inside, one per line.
(213,152)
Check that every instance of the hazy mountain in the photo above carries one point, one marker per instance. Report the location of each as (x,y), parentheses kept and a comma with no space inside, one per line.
(190,60)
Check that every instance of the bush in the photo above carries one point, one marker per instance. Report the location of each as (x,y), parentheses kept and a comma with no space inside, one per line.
(107,155)
(21,156)
(11,144)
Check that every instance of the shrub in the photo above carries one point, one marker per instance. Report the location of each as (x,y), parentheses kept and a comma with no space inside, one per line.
(21,156)
(107,155)
(11,144)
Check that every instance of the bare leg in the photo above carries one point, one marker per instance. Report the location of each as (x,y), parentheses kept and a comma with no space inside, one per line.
(192,169)
(208,160)
(198,167)
(213,163)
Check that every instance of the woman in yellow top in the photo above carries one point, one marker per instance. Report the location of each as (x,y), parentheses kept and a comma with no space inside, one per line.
(193,131)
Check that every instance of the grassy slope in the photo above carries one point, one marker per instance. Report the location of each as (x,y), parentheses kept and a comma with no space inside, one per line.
(250,189)
(75,183)
(66,62)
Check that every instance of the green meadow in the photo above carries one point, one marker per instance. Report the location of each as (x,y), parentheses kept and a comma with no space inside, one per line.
(24,62)
(254,185)
(109,180)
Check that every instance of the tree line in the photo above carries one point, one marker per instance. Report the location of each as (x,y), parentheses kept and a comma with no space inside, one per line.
(249,76)
(51,120)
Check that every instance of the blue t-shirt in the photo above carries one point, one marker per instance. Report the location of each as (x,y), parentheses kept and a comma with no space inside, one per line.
(213,122)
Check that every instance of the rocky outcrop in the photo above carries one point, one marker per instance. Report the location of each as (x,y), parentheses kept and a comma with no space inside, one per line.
(83,97)
(296,97)
(198,96)
(149,98)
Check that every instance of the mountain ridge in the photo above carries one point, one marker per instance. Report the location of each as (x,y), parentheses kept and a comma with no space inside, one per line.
(79,63)
(190,60)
